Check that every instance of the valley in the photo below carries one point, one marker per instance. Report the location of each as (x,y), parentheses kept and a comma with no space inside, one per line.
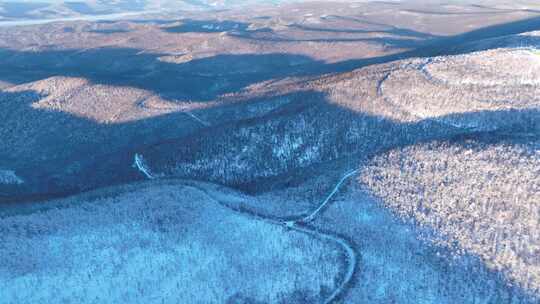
(291,152)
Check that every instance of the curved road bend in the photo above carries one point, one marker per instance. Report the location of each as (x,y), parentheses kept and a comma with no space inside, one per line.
(299,225)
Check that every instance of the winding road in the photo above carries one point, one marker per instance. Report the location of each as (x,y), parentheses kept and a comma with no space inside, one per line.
(300,224)
(311,217)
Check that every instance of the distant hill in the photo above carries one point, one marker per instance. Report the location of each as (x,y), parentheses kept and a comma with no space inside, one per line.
(52,9)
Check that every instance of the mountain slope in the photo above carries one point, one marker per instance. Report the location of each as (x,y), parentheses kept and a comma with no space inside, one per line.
(165,240)
(480,193)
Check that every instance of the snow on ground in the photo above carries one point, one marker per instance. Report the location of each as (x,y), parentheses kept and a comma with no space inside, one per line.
(158,243)
(482,199)
(449,89)
(397,266)
(397,262)
(8,177)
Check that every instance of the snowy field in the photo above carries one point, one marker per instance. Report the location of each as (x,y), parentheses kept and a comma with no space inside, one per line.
(155,243)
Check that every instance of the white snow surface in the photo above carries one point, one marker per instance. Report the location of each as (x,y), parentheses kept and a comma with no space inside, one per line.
(157,243)
(8,177)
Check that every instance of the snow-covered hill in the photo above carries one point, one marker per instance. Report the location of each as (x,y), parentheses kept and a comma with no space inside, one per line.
(159,243)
